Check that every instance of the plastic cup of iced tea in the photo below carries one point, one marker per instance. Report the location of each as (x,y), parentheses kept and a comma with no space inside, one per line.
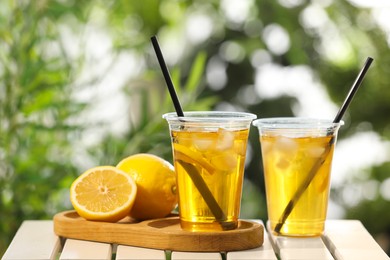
(297,160)
(209,150)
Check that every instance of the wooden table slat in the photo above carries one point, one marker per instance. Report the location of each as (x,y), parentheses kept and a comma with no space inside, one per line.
(306,254)
(34,239)
(265,252)
(300,248)
(138,253)
(350,240)
(342,240)
(79,249)
(195,256)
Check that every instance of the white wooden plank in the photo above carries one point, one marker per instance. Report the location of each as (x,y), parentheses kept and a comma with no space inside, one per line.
(195,256)
(79,249)
(305,254)
(138,253)
(349,239)
(252,254)
(300,247)
(34,240)
(265,252)
(360,254)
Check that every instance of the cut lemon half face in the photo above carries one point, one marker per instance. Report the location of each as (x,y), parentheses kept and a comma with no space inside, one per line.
(103,193)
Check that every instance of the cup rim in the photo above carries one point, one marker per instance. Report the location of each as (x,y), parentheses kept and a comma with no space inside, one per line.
(210,116)
(295,123)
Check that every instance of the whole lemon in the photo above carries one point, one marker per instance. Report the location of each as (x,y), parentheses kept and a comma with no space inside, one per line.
(156,185)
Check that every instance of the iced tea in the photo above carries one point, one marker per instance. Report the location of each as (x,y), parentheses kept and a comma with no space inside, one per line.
(290,155)
(209,160)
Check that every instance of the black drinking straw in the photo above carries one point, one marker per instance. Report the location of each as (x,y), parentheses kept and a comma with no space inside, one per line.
(190,169)
(354,88)
(167,76)
(301,189)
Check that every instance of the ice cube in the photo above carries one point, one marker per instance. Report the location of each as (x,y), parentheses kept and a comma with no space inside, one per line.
(240,147)
(282,163)
(225,139)
(203,144)
(225,161)
(286,145)
(266,146)
(315,151)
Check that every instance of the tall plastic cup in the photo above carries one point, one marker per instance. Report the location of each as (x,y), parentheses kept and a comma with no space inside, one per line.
(209,150)
(297,159)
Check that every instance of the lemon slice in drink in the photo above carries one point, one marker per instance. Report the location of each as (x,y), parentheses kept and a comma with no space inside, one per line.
(103,193)
(190,156)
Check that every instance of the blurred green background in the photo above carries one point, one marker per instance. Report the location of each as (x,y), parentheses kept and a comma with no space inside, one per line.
(80,86)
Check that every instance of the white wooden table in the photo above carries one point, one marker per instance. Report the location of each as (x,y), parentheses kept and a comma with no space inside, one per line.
(343,239)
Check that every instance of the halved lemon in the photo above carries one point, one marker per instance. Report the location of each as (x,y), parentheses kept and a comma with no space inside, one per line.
(103,193)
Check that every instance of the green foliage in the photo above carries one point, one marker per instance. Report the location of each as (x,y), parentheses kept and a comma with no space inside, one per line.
(36,109)
(148,131)
(372,203)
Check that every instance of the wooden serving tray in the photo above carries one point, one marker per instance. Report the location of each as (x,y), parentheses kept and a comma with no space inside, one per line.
(164,234)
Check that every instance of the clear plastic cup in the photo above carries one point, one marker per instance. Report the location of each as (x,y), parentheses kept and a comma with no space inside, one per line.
(297,159)
(209,150)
